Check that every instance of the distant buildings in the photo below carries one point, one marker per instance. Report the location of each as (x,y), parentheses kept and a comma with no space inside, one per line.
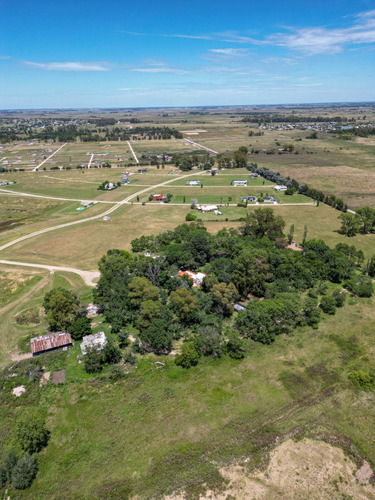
(207,208)
(249,199)
(239,183)
(193,183)
(281,188)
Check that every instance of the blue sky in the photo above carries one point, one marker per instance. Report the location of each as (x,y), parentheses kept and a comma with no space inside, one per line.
(81,54)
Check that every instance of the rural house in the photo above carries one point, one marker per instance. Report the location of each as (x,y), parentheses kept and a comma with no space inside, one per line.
(239,183)
(281,188)
(50,342)
(97,340)
(158,197)
(196,277)
(249,199)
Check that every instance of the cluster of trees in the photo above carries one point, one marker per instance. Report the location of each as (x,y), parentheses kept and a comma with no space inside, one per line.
(186,162)
(363,131)
(20,465)
(65,313)
(236,160)
(251,263)
(363,221)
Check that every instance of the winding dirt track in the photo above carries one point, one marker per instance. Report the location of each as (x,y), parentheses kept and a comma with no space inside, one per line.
(87,276)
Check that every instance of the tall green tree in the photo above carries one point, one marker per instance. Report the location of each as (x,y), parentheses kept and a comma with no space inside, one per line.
(61,307)
(263,222)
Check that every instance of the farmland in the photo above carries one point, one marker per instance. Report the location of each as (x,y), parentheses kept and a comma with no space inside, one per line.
(163,431)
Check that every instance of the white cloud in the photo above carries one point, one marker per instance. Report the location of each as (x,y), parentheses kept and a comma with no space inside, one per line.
(230,52)
(161,69)
(69,66)
(321,40)
(193,37)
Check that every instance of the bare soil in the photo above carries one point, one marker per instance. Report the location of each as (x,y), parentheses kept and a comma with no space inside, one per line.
(297,470)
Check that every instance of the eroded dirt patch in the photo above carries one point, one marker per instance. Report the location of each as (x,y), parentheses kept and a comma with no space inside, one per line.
(297,470)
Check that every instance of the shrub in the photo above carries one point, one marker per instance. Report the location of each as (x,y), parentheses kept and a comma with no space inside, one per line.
(25,471)
(123,338)
(261,199)
(10,461)
(328,305)
(80,328)
(190,217)
(111,354)
(339,298)
(92,361)
(32,434)
(130,358)
(189,356)
(363,380)
(361,286)
(3,477)
(235,346)
(115,373)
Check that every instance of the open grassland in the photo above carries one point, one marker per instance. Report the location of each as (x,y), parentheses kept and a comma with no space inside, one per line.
(83,245)
(163,429)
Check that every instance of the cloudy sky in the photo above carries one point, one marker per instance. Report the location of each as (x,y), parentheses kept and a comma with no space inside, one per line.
(121,53)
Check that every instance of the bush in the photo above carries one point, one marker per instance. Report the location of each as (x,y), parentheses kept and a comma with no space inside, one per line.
(363,380)
(115,373)
(235,346)
(10,461)
(188,357)
(339,297)
(361,286)
(111,354)
(190,217)
(261,199)
(3,477)
(130,358)
(92,361)
(123,339)
(32,434)
(80,328)
(25,471)
(328,305)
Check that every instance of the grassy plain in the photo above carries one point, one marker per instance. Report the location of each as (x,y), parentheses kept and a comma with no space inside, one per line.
(161,428)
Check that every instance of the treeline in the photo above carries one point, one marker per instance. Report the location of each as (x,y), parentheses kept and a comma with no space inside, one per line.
(358,132)
(251,263)
(313,193)
(276,118)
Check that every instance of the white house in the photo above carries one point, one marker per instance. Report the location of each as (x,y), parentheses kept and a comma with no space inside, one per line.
(97,340)
(239,183)
(281,188)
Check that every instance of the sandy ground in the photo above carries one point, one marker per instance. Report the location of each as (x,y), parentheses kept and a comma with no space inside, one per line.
(298,470)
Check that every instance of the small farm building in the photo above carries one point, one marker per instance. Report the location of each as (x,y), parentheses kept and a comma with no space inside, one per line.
(50,342)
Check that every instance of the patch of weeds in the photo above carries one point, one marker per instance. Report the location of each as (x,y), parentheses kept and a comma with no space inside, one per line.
(350,348)
(145,398)
(28,317)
